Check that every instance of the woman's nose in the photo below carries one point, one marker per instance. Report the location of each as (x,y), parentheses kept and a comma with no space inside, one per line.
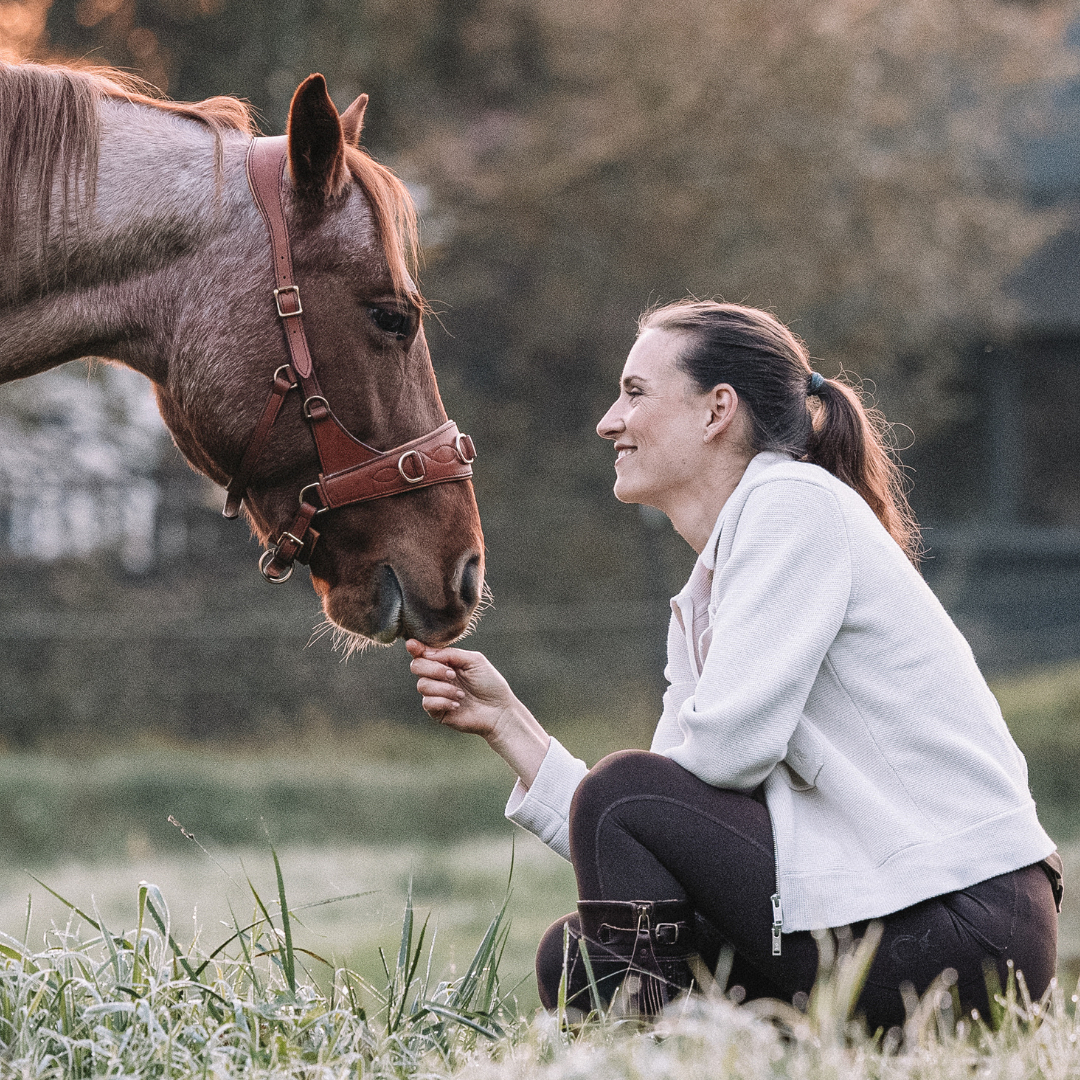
(611,424)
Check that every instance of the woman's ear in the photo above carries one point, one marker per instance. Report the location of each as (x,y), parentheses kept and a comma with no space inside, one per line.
(723,405)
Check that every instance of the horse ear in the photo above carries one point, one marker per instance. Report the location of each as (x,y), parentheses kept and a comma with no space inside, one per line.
(352,120)
(316,143)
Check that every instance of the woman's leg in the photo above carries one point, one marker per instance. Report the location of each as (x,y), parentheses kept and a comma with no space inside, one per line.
(1011,917)
(643,828)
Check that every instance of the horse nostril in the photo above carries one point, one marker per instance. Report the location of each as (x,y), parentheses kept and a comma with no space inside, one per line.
(470,581)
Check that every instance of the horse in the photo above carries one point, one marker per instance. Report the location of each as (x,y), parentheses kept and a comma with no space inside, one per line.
(128,231)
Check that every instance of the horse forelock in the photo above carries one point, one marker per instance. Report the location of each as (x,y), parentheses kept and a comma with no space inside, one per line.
(394,214)
(49,120)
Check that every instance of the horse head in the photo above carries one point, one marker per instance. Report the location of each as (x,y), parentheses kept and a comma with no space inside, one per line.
(128,230)
(411,564)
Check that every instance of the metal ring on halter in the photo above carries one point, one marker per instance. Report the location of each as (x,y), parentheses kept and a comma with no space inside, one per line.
(285,367)
(314,397)
(401,467)
(265,560)
(322,509)
(458,444)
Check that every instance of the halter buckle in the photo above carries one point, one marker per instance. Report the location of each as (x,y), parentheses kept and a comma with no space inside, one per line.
(460,442)
(304,499)
(308,402)
(278,293)
(282,373)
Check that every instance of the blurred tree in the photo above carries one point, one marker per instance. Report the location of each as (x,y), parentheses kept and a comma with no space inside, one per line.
(844,162)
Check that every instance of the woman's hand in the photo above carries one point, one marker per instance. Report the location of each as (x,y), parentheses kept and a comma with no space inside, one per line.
(460,689)
(463,690)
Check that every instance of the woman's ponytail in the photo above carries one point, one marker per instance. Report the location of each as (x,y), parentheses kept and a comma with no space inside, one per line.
(769,368)
(851,442)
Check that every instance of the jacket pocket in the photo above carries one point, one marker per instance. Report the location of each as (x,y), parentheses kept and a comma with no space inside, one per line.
(804,758)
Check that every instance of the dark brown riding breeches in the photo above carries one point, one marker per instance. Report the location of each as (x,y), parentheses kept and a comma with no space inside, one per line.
(643,828)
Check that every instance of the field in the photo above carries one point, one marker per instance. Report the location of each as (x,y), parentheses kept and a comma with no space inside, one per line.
(380,818)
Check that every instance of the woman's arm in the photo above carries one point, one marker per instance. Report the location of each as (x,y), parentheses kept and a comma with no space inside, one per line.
(463,690)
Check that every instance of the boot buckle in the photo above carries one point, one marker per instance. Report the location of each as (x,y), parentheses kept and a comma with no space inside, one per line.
(666,933)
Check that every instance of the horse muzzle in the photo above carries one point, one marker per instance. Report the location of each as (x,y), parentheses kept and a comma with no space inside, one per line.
(393,606)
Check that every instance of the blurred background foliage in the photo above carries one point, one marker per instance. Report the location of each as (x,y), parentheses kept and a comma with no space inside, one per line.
(855,165)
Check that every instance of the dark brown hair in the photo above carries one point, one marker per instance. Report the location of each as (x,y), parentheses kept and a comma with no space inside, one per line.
(769,368)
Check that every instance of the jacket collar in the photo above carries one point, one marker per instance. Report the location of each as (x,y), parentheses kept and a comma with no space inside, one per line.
(695,594)
(761,461)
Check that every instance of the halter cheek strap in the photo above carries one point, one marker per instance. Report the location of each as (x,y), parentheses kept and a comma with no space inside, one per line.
(350,470)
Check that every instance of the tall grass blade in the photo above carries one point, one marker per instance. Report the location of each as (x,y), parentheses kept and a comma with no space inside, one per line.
(68,904)
(993,994)
(286,926)
(161,918)
(138,934)
(560,1003)
(280,945)
(594,990)
(460,1018)
(466,990)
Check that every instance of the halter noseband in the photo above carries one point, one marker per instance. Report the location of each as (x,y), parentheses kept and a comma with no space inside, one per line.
(350,471)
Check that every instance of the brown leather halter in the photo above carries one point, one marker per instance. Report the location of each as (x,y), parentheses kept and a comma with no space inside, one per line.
(350,471)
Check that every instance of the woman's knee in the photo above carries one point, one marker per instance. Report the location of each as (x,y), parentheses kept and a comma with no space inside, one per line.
(617,776)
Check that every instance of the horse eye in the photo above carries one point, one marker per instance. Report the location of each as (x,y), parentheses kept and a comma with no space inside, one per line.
(392,322)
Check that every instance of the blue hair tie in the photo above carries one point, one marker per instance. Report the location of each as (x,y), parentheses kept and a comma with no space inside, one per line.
(815,384)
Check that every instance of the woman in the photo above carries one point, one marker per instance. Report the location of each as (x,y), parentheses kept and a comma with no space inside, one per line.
(828,752)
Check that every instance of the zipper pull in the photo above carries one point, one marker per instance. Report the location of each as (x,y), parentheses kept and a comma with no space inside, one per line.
(777,923)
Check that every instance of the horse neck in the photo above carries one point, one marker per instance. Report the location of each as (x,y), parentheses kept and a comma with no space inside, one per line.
(104,289)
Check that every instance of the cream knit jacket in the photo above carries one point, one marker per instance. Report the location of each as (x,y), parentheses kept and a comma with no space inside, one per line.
(825,668)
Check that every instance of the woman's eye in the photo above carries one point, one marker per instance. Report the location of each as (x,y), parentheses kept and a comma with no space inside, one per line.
(390,321)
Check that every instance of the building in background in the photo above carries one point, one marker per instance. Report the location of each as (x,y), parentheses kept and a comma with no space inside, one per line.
(1000,485)
(81,453)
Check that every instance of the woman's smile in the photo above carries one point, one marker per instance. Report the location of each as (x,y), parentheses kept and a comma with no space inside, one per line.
(655,411)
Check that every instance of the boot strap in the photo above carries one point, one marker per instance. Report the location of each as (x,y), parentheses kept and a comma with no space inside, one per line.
(665,933)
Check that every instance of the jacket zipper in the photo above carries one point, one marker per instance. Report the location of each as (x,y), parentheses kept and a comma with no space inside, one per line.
(777,909)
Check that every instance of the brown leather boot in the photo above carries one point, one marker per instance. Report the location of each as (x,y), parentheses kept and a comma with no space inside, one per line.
(640,951)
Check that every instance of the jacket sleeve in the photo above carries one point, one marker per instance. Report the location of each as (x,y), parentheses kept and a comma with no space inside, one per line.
(544,807)
(778,602)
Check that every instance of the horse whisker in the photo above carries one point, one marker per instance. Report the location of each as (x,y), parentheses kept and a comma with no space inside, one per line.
(487,600)
(342,641)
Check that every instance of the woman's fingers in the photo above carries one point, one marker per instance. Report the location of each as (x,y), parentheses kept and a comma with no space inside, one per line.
(432,670)
(457,658)
(436,706)
(437,688)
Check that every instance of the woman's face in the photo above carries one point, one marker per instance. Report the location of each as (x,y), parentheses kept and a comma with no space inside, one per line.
(657,423)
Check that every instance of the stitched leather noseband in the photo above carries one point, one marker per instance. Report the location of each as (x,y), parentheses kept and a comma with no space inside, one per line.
(350,471)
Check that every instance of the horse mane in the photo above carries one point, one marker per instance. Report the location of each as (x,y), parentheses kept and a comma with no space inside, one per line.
(49,128)
(394,212)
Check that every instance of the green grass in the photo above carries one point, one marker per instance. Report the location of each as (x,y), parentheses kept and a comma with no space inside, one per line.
(145,1002)
(1042,709)
(459,885)
(391,815)
(148,1001)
